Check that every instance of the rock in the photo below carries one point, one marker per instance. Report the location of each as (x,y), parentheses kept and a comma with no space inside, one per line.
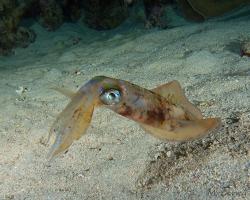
(103,15)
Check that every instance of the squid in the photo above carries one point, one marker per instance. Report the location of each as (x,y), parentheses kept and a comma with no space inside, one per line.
(164,111)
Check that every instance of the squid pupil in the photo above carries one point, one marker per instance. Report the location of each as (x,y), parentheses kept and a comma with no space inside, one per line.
(111,97)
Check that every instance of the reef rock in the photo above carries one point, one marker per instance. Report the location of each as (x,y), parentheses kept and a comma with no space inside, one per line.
(11,34)
(104,14)
(51,14)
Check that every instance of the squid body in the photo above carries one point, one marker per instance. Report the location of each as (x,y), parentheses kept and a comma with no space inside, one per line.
(164,112)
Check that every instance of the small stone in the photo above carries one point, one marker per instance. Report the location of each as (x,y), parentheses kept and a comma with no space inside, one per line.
(86,170)
(78,72)
(80,175)
(169,153)
(110,158)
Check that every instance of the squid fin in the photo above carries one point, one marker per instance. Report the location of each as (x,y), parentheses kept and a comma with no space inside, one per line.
(173,92)
(184,130)
(65,92)
(71,124)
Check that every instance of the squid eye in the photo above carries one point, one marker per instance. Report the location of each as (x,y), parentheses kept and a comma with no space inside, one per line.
(111,97)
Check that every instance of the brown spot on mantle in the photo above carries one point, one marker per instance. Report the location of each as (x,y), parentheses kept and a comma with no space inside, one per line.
(125,110)
(155,115)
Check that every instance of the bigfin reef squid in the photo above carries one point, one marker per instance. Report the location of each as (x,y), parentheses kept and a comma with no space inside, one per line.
(164,111)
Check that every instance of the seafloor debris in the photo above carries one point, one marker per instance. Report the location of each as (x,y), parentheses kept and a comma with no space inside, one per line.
(21,90)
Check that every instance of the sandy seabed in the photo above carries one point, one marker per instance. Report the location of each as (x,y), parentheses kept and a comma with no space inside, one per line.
(116,159)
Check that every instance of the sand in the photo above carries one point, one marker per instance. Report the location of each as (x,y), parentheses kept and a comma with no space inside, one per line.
(116,159)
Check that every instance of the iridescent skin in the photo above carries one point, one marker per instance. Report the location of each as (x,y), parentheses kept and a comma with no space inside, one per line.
(164,111)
